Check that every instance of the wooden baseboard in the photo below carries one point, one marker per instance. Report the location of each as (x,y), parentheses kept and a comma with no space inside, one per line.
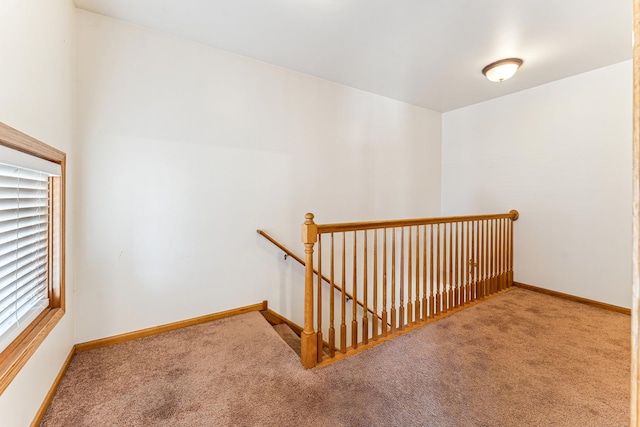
(103,342)
(574,298)
(52,391)
(276,319)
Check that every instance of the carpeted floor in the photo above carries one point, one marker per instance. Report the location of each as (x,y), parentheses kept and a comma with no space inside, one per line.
(519,359)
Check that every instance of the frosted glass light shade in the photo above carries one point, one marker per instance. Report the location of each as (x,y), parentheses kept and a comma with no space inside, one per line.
(502,70)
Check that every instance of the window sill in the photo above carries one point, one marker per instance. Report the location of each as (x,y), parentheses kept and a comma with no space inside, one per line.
(14,358)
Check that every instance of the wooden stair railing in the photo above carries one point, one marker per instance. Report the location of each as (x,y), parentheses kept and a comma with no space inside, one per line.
(289,253)
(455,262)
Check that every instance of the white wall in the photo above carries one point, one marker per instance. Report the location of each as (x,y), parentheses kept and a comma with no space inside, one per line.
(36,83)
(186,150)
(561,155)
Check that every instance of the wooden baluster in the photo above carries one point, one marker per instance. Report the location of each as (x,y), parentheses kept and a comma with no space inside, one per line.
(510,277)
(417,303)
(375,285)
(499,255)
(343,324)
(489,289)
(512,247)
(365,295)
(432,298)
(445,291)
(425,312)
(504,253)
(473,262)
(496,254)
(384,283)
(451,284)
(410,281)
(401,314)
(354,314)
(465,264)
(496,244)
(507,252)
(308,341)
(456,297)
(478,263)
(439,292)
(464,267)
(319,303)
(487,256)
(491,271)
(470,262)
(332,329)
(501,267)
(483,260)
(461,298)
(393,280)
(478,257)
(490,254)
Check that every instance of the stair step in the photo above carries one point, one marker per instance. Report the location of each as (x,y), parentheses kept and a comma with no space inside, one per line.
(288,332)
(289,336)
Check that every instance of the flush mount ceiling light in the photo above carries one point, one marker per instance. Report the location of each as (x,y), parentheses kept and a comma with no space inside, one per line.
(502,70)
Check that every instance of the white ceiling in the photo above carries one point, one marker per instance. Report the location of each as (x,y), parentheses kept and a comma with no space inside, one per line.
(425,52)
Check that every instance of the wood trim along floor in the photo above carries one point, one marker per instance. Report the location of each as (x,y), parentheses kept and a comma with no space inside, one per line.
(52,391)
(103,342)
(276,319)
(574,298)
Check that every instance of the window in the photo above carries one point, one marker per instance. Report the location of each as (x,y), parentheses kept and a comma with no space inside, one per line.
(31,247)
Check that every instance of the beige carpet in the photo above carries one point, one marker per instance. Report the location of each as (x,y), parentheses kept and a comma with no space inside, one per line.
(520,359)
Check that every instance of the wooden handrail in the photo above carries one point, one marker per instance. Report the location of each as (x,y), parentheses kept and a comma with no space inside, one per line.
(437,265)
(371,225)
(301,261)
(282,248)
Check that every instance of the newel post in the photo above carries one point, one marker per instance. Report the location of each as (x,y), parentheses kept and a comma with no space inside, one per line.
(514,217)
(309,344)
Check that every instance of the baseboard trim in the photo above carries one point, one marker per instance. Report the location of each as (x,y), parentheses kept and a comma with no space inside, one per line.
(587,301)
(116,339)
(52,391)
(277,319)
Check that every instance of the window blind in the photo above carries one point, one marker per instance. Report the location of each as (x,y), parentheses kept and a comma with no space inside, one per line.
(24,248)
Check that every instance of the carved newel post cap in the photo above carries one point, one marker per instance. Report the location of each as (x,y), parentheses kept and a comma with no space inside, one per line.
(309,231)
(514,214)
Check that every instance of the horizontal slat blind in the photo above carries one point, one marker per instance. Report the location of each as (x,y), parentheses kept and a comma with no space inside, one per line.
(24,234)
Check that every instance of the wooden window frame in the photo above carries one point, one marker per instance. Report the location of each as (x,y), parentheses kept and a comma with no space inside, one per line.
(16,355)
